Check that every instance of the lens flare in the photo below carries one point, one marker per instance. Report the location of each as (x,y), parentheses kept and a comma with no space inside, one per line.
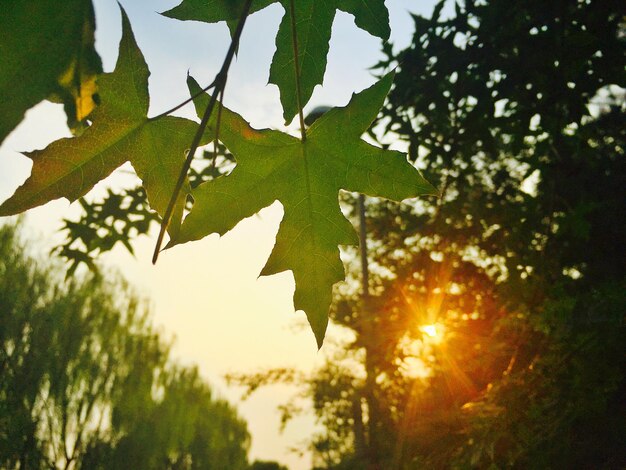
(433,331)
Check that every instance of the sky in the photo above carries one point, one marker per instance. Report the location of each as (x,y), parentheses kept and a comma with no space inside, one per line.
(207,294)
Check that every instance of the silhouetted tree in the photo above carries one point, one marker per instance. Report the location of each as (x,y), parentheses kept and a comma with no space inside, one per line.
(516,112)
(263,465)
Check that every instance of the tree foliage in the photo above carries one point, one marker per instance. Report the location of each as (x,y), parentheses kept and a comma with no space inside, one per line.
(514,110)
(87,382)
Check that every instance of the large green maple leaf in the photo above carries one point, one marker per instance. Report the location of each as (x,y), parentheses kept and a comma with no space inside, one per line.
(314,20)
(121,131)
(306,178)
(46,48)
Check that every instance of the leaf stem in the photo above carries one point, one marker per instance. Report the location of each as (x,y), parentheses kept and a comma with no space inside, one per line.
(296,64)
(219,83)
(217,129)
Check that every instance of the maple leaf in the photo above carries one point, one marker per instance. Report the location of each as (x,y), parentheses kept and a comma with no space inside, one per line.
(46,48)
(314,23)
(121,131)
(306,178)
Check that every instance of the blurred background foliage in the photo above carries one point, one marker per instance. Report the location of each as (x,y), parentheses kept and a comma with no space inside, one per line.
(88,383)
(122,215)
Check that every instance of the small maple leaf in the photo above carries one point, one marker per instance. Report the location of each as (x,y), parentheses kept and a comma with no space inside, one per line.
(121,131)
(314,23)
(306,178)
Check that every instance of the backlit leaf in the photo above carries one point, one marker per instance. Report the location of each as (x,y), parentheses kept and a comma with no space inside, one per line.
(121,131)
(314,19)
(46,48)
(305,178)
(78,89)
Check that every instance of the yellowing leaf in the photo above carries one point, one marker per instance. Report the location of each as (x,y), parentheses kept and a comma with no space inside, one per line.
(121,131)
(305,178)
(46,48)
(77,85)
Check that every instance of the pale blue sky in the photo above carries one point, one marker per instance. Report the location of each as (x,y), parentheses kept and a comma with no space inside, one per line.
(207,294)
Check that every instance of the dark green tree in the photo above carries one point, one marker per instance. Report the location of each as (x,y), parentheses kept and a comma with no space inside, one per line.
(264,465)
(515,111)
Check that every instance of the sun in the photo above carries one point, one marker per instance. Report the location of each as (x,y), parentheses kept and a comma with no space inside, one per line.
(434,332)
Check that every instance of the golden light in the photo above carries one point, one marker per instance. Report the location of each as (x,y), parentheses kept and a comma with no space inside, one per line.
(433,331)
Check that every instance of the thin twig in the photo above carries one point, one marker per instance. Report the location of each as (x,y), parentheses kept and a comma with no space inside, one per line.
(220,80)
(365,276)
(296,65)
(187,101)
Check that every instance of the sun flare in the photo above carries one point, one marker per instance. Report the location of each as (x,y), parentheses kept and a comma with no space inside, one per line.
(433,331)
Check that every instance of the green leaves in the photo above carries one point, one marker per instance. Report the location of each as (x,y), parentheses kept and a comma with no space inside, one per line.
(306,178)
(314,19)
(47,48)
(304,175)
(120,132)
